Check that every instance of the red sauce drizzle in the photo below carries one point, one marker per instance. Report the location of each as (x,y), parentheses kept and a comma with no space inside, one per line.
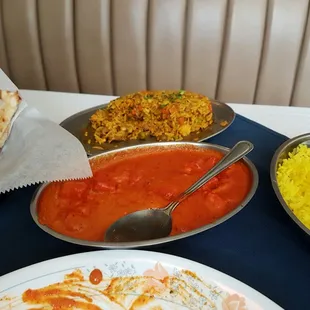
(95,276)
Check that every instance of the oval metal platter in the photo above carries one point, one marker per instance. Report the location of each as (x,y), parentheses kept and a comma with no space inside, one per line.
(148,243)
(78,124)
(280,154)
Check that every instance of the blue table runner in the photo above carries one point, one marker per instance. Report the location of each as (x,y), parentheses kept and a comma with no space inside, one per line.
(261,246)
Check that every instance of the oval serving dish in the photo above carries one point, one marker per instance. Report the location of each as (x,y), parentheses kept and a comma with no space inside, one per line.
(147,243)
(78,123)
(280,154)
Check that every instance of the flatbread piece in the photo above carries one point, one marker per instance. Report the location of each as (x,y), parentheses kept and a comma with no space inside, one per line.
(9,103)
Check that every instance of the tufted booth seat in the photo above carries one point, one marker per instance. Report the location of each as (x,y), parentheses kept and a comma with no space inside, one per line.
(249,51)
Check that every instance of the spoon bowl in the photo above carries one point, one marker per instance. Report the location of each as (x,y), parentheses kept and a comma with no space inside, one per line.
(141,225)
(157,223)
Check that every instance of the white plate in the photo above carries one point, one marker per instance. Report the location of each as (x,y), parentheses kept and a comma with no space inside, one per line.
(131,280)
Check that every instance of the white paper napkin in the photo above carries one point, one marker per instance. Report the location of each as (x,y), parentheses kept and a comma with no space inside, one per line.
(38,150)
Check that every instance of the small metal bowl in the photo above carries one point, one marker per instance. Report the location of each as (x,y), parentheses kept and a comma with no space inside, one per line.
(147,243)
(280,154)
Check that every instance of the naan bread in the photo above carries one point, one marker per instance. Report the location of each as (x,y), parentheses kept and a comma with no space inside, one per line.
(9,102)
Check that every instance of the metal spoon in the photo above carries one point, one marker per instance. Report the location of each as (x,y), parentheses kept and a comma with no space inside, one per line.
(157,223)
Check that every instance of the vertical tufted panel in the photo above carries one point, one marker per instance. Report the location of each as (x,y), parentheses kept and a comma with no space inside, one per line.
(165,43)
(204,38)
(249,51)
(241,50)
(58,44)
(3,57)
(93,50)
(20,29)
(129,33)
(285,28)
(301,95)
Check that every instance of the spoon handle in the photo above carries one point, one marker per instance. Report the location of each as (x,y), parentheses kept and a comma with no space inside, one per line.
(236,153)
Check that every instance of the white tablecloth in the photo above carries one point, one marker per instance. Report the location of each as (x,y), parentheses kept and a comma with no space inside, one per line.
(290,121)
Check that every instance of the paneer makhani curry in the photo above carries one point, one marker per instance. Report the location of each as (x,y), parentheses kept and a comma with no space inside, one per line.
(133,180)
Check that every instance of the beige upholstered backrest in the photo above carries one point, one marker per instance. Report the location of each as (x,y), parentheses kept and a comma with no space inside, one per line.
(250,51)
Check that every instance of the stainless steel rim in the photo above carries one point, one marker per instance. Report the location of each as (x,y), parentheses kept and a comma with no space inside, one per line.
(147,243)
(273,175)
(216,105)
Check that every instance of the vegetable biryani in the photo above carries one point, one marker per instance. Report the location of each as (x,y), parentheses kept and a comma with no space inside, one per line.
(293,177)
(165,115)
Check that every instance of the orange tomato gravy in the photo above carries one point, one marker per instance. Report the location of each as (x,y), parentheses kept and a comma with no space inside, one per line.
(134,180)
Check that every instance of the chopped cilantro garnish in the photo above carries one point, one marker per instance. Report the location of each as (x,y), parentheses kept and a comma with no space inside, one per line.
(177,95)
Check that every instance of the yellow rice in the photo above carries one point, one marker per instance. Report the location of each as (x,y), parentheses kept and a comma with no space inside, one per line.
(165,115)
(293,177)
